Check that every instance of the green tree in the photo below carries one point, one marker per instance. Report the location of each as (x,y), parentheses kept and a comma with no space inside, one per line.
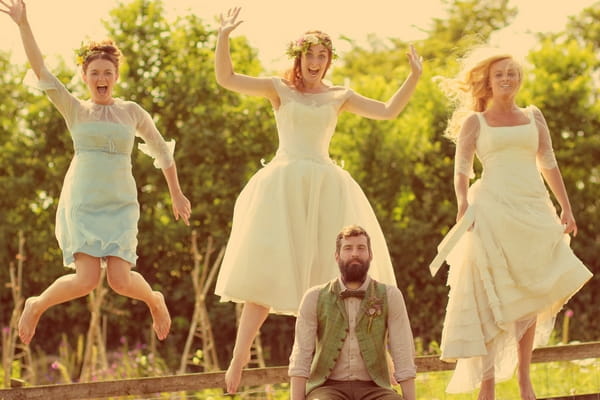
(563,84)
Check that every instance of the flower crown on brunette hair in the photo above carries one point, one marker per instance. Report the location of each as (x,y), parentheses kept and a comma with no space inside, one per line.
(90,48)
(302,45)
(82,53)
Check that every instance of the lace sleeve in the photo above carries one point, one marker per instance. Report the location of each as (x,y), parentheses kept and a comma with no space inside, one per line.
(154,144)
(58,94)
(465,147)
(545,154)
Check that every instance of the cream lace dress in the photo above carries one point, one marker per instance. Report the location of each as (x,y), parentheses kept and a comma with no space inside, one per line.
(515,266)
(288,215)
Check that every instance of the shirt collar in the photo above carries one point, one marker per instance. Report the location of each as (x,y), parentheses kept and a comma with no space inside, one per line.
(364,286)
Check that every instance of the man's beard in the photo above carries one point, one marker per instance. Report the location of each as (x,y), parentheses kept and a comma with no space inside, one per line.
(354,270)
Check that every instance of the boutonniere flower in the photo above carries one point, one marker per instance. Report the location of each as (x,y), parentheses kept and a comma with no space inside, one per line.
(373,308)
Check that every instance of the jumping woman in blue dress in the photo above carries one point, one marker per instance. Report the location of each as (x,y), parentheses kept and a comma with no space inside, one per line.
(98,211)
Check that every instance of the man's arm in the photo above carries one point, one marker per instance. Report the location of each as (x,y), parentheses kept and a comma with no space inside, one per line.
(304,344)
(298,388)
(408,389)
(402,347)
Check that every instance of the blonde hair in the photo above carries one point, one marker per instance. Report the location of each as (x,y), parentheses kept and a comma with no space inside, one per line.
(470,90)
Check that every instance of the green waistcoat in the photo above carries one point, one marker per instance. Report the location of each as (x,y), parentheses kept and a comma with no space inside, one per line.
(333,328)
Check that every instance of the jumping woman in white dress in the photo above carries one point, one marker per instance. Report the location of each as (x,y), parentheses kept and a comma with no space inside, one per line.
(283,219)
(513,269)
(96,220)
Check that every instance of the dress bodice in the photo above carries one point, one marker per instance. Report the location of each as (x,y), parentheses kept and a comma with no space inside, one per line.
(107,128)
(306,121)
(508,156)
(103,136)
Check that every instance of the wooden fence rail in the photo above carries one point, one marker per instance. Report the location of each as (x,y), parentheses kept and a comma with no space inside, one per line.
(256,377)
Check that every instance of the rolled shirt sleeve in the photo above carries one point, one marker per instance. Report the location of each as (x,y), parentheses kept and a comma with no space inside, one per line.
(401,343)
(305,335)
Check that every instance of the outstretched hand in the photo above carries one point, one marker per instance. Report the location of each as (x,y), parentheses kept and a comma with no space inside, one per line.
(182,207)
(415,60)
(229,23)
(14,9)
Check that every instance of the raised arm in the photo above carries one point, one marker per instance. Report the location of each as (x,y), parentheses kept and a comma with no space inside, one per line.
(375,109)
(17,11)
(224,72)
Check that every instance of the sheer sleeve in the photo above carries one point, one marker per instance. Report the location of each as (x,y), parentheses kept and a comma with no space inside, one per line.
(58,94)
(465,147)
(545,154)
(154,144)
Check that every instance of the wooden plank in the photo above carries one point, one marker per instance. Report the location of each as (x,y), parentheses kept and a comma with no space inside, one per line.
(143,386)
(569,352)
(589,396)
(253,377)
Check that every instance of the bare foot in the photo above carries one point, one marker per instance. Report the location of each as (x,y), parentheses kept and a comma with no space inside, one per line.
(487,390)
(161,320)
(233,376)
(526,388)
(29,320)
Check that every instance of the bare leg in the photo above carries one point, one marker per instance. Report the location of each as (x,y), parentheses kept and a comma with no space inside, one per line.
(525,350)
(63,289)
(253,316)
(129,283)
(487,392)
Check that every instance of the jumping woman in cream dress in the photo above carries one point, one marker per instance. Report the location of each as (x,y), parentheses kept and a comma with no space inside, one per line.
(285,216)
(512,270)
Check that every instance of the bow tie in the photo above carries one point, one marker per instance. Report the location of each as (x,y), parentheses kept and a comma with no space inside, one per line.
(352,293)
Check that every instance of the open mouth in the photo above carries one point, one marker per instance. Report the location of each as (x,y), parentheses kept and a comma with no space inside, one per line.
(314,71)
(102,90)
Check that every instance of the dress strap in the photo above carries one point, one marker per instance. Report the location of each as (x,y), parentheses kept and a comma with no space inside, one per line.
(481,118)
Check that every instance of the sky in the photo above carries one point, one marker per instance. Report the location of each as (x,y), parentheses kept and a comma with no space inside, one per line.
(61,25)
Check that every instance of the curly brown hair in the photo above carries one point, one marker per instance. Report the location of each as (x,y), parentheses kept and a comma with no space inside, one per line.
(102,50)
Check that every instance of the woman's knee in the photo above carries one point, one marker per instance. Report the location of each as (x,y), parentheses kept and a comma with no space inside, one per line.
(118,274)
(88,272)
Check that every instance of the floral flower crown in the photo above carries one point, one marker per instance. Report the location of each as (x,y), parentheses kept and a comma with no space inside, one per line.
(302,45)
(82,53)
(88,49)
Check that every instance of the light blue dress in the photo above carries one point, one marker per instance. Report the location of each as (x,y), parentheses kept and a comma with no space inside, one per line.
(98,209)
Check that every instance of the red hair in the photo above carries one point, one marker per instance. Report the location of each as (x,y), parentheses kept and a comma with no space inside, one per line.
(294,75)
